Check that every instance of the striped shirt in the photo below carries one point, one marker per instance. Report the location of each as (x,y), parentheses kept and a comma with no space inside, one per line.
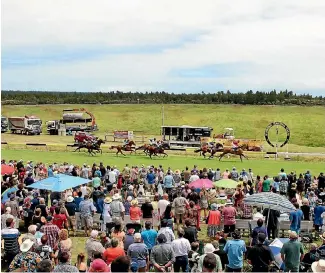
(10,237)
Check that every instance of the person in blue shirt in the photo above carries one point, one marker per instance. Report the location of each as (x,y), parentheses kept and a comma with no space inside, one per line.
(258,230)
(318,210)
(151,178)
(149,236)
(295,218)
(276,184)
(50,171)
(235,250)
(78,199)
(169,182)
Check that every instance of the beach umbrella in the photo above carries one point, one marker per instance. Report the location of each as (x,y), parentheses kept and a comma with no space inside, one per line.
(6,169)
(270,200)
(59,183)
(275,247)
(226,183)
(4,195)
(200,183)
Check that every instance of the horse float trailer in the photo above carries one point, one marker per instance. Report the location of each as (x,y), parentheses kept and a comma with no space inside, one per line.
(27,125)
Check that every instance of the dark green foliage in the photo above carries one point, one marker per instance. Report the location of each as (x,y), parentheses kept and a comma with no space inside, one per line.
(116,97)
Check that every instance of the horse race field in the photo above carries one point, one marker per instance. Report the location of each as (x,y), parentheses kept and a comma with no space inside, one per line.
(306,125)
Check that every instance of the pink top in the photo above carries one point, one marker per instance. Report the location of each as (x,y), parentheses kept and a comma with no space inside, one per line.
(135,213)
(229,214)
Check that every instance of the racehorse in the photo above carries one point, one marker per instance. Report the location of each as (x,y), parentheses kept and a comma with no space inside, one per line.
(154,150)
(206,149)
(126,148)
(91,147)
(228,150)
(144,148)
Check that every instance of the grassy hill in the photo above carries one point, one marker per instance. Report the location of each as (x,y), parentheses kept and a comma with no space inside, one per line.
(306,123)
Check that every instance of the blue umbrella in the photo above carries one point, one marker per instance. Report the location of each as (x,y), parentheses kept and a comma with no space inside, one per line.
(275,247)
(59,183)
(5,196)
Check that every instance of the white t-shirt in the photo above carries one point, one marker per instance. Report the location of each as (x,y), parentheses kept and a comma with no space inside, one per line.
(112,177)
(162,204)
(181,247)
(83,189)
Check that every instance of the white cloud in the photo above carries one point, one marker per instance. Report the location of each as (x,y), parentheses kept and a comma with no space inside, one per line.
(284,40)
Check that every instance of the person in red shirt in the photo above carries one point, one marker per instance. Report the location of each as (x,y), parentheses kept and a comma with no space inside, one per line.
(135,212)
(111,253)
(60,218)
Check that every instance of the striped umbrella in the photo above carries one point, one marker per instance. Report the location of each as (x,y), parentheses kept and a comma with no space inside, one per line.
(270,200)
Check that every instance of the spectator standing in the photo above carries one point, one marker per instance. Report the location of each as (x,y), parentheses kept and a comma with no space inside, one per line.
(295,219)
(209,250)
(235,250)
(147,210)
(26,260)
(260,255)
(258,230)
(129,239)
(190,232)
(272,221)
(10,236)
(64,264)
(149,236)
(117,209)
(138,253)
(318,210)
(213,221)
(162,255)
(87,210)
(162,204)
(179,204)
(266,184)
(229,215)
(51,230)
(166,231)
(181,247)
(292,253)
(169,182)
(114,251)
(5,216)
(93,245)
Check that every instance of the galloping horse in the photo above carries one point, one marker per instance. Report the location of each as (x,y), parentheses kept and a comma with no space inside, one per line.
(238,152)
(205,149)
(127,148)
(144,148)
(154,150)
(91,147)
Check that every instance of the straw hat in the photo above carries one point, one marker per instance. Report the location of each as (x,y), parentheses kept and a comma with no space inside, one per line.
(134,202)
(177,172)
(26,245)
(322,236)
(318,266)
(108,200)
(293,234)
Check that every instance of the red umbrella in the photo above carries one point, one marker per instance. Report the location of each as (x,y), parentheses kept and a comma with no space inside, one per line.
(200,183)
(6,169)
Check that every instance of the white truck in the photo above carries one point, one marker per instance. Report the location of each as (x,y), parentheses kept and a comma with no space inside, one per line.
(28,125)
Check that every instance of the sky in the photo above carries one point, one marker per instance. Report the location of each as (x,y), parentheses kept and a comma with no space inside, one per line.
(173,46)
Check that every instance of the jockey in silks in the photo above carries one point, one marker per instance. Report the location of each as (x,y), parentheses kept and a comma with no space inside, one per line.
(153,142)
(234,145)
(211,144)
(125,142)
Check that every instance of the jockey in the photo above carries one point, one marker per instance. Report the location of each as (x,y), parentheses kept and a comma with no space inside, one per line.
(211,144)
(234,145)
(153,142)
(125,142)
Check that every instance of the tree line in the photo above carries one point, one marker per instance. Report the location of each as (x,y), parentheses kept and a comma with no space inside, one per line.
(11,97)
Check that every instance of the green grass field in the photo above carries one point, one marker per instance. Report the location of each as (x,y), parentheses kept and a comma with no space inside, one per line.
(259,166)
(306,123)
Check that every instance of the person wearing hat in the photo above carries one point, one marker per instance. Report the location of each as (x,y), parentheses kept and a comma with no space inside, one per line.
(260,255)
(87,210)
(209,249)
(117,208)
(318,210)
(213,220)
(71,208)
(147,210)
(235,250)
(107,219)
(318,266)
(292,252)
(27,260)
(229,217)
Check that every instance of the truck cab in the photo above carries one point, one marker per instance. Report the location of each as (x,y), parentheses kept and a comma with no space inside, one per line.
(4,124)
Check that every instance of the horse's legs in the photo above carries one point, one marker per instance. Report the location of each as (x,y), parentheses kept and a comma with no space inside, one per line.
(241,159)
(165,154)
(221,156)
(245,156)
(203,153)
